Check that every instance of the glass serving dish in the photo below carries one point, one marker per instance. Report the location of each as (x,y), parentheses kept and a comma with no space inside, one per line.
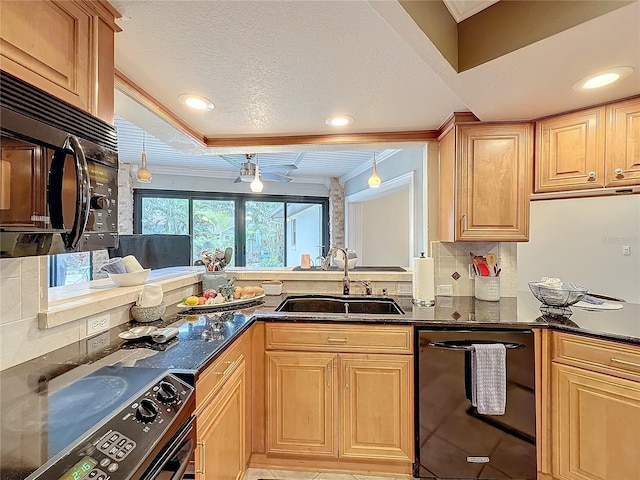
(557,300)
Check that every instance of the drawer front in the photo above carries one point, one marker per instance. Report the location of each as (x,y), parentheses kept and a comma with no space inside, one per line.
(218,372)
(597,355)
(339,338)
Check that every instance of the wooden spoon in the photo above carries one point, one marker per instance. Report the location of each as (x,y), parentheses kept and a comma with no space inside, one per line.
(492,260)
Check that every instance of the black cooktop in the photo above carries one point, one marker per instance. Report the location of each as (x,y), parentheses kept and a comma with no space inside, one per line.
(47,419)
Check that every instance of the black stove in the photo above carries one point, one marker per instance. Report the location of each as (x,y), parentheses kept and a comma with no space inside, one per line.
(95,423)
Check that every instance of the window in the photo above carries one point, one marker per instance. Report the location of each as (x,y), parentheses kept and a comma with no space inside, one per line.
(69,268)
(165,215)
(264,231)
(213,226)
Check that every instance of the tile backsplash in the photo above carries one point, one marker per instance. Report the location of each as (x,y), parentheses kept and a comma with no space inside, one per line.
(24,292)
(452,264)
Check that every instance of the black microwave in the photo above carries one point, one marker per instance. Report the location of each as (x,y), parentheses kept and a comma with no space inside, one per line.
(58,175)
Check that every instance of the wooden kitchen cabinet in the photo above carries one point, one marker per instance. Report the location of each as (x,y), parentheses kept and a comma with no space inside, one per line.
(591,409)
(221,432)
(325,403)
(302,403)
(570,151)
(223,414)
(376,406)
(63,47)
(485,180)
(589,149)
(623,144)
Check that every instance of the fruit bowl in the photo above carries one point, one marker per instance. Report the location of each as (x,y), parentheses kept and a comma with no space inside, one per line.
(129,279)
(562,296)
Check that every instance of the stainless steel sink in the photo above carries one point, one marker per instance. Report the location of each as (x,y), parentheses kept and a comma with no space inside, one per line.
(340,304)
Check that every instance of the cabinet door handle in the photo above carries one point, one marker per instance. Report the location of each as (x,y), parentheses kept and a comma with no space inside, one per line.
(337,340)
(346,376)
(202,459)
(329,375)
(618,171)
(230,366)
(625,362)
(591,174)
(465,224)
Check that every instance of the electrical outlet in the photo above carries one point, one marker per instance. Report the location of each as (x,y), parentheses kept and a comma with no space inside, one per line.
(97,324)
(404,289)
(97,343)
(444,290)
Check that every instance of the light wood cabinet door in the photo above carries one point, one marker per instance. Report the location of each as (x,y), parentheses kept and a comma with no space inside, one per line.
(377,407)
(623,144)
(570,151)
(302,404)
(48,44)
(221,432)
(494,164)
(64,47)
(595,425)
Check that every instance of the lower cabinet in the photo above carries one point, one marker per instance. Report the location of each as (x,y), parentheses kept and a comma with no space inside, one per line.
(302,404)
(223,415)
(336,405)
(591,410)
(376,409)
(221,432)
(596,432)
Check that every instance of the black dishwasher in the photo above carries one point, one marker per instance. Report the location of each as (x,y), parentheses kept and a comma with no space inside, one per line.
(453,440)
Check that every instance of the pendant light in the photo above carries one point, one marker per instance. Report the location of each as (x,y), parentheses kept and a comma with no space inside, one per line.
(374,179)
(144,175)
(256,186)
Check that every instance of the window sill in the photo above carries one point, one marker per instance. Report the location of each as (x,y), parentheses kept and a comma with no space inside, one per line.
(73,302)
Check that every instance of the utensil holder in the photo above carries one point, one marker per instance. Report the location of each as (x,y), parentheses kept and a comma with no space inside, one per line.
(487,288)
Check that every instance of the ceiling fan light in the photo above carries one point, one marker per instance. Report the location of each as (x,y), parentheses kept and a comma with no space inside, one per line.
(256,186)
(339,120)
(196,102)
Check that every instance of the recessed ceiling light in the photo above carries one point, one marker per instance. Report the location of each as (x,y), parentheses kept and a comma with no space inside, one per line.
(339,120)
(196,102)
(603,78)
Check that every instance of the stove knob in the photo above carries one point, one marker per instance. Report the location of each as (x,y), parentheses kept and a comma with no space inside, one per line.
(147,411)
(167,393)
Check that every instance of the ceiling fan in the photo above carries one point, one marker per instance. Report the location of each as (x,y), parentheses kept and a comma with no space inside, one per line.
(268,172)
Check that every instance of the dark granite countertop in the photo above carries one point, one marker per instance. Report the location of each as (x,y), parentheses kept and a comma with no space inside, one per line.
(202,337)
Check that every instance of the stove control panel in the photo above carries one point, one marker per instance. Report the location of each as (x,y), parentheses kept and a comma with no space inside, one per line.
(124,442)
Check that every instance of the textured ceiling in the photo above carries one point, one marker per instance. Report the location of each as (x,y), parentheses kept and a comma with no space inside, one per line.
(281,68)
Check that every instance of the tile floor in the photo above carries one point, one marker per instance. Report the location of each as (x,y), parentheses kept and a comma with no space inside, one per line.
(258,474)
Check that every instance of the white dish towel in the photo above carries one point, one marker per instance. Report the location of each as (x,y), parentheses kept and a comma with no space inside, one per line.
(150,296)
(489,378)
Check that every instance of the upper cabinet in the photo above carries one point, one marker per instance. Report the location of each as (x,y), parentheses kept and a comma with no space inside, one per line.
(590,149)
(485,182)
(570,151)
(65,48)
(623,144)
